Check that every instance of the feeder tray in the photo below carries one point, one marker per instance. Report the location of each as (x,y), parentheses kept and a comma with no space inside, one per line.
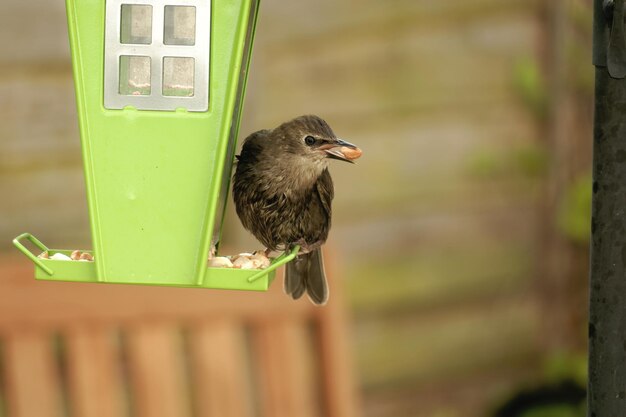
(85,271)
(159,91)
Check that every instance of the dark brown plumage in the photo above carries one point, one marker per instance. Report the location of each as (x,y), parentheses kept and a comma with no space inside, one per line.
(283,194)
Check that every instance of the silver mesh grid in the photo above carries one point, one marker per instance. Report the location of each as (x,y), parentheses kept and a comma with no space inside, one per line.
(157,60)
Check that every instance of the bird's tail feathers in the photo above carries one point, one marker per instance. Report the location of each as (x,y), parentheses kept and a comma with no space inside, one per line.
(295,277)
(306,273)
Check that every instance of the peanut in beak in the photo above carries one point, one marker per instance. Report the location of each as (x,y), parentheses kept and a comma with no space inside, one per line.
(350,153)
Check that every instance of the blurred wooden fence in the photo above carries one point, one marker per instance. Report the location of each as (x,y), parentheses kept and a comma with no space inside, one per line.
(472,117)
(457,275)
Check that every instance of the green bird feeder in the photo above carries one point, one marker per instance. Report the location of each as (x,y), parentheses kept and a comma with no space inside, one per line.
(159,91)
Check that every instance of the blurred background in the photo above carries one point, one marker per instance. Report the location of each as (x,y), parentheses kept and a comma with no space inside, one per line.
(459,240)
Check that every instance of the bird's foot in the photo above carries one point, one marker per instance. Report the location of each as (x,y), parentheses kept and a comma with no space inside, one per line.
(306,247)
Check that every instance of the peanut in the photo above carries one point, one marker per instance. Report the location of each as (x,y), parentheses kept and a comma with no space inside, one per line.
(243,263)
(350,153)
(86,257)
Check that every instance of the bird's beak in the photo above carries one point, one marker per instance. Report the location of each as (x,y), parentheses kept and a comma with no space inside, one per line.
(341,150)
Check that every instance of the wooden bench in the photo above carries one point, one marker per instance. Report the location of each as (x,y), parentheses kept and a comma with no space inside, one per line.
(91,350)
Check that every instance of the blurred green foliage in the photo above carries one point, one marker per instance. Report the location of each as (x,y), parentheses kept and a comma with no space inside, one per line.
(530,85)
(485,163)
(530,160)
(566,365)
(574,212)
(557,411)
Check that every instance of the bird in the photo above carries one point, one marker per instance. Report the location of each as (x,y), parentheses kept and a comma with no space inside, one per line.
(283,195)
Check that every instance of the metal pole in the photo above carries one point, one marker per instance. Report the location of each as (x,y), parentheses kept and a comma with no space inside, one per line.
(607,311)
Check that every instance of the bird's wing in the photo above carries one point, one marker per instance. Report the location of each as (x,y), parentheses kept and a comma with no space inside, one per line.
(252,146)
(325,191)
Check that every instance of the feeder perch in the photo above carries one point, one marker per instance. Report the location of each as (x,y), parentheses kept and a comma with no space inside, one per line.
(159,90)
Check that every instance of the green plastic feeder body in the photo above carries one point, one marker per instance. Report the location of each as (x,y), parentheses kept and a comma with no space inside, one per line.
(159,89)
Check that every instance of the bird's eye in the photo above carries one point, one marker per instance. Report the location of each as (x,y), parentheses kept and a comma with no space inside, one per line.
(309,140)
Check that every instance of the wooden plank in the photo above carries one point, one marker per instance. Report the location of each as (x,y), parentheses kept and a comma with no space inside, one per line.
(155,359)
(94,373)
(219,370)
(286,373)
(61,303)
(32,376)
(338,384)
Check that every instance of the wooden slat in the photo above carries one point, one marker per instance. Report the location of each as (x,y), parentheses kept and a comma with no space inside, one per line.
(94,373)
(155,358)
(32,377)
(286,372)
(333,338)
(219,370)
(60,303)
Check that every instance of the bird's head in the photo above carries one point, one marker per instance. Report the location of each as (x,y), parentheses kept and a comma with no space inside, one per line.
(310,139)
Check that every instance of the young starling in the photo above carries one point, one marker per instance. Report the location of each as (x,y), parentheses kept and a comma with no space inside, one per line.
(283,194)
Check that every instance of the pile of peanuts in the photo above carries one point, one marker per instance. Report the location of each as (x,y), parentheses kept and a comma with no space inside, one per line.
(256,260)
(75,256)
